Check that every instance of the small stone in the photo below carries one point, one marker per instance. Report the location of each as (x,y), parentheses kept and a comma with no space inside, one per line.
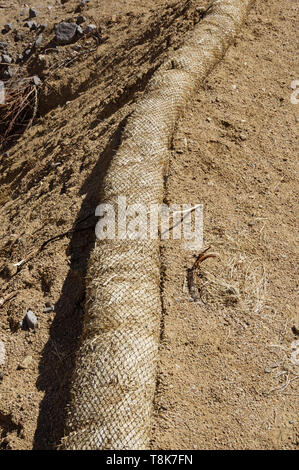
(91,28)
(26,362)
(31,320)
(27,52)
(23,12)
(8,27)
(79,30)
(2,353)
(36,80)
(33,12)
(39,40)
(291,421)
(80,19)
(48,309)
(65,32)
(6,58)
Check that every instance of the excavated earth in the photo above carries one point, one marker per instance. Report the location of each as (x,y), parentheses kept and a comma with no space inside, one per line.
(228,364)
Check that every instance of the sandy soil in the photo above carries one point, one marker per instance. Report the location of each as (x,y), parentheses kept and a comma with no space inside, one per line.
(225,378)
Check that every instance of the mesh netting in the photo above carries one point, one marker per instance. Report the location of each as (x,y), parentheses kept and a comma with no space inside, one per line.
(114,381)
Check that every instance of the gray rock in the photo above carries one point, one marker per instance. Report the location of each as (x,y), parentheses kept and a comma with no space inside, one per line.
(79,30)
(27,52)
(91,28)
(33,12)
(65,32)
(6,58)
(39,40)
(3,46)
(23,12)
(36,80)
(31,320)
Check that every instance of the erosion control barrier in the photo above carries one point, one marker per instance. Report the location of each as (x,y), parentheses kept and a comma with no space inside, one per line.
(115,376)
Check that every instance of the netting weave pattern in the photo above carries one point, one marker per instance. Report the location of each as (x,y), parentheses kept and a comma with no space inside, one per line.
(114,381)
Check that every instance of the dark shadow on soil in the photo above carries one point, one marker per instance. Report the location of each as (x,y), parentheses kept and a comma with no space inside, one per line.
(58,357)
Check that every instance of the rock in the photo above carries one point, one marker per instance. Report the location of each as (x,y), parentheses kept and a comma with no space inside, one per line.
(7,27)
(23,12)
(65,32)
(39,40)
(48,309)
(91,28)
(6,58)
(27,52)
(3,46)
(36,80)
(2,353)
(80,19)
(79,30)
(26,362)
(43,26)
(33,13)
(31,320)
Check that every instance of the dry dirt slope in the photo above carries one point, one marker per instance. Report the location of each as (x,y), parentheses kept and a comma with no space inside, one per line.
(226,378)
(234,152)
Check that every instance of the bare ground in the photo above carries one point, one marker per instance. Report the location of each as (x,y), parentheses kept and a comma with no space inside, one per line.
(225,378)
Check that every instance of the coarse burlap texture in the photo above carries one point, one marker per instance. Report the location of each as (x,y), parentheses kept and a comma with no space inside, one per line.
(114,381)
